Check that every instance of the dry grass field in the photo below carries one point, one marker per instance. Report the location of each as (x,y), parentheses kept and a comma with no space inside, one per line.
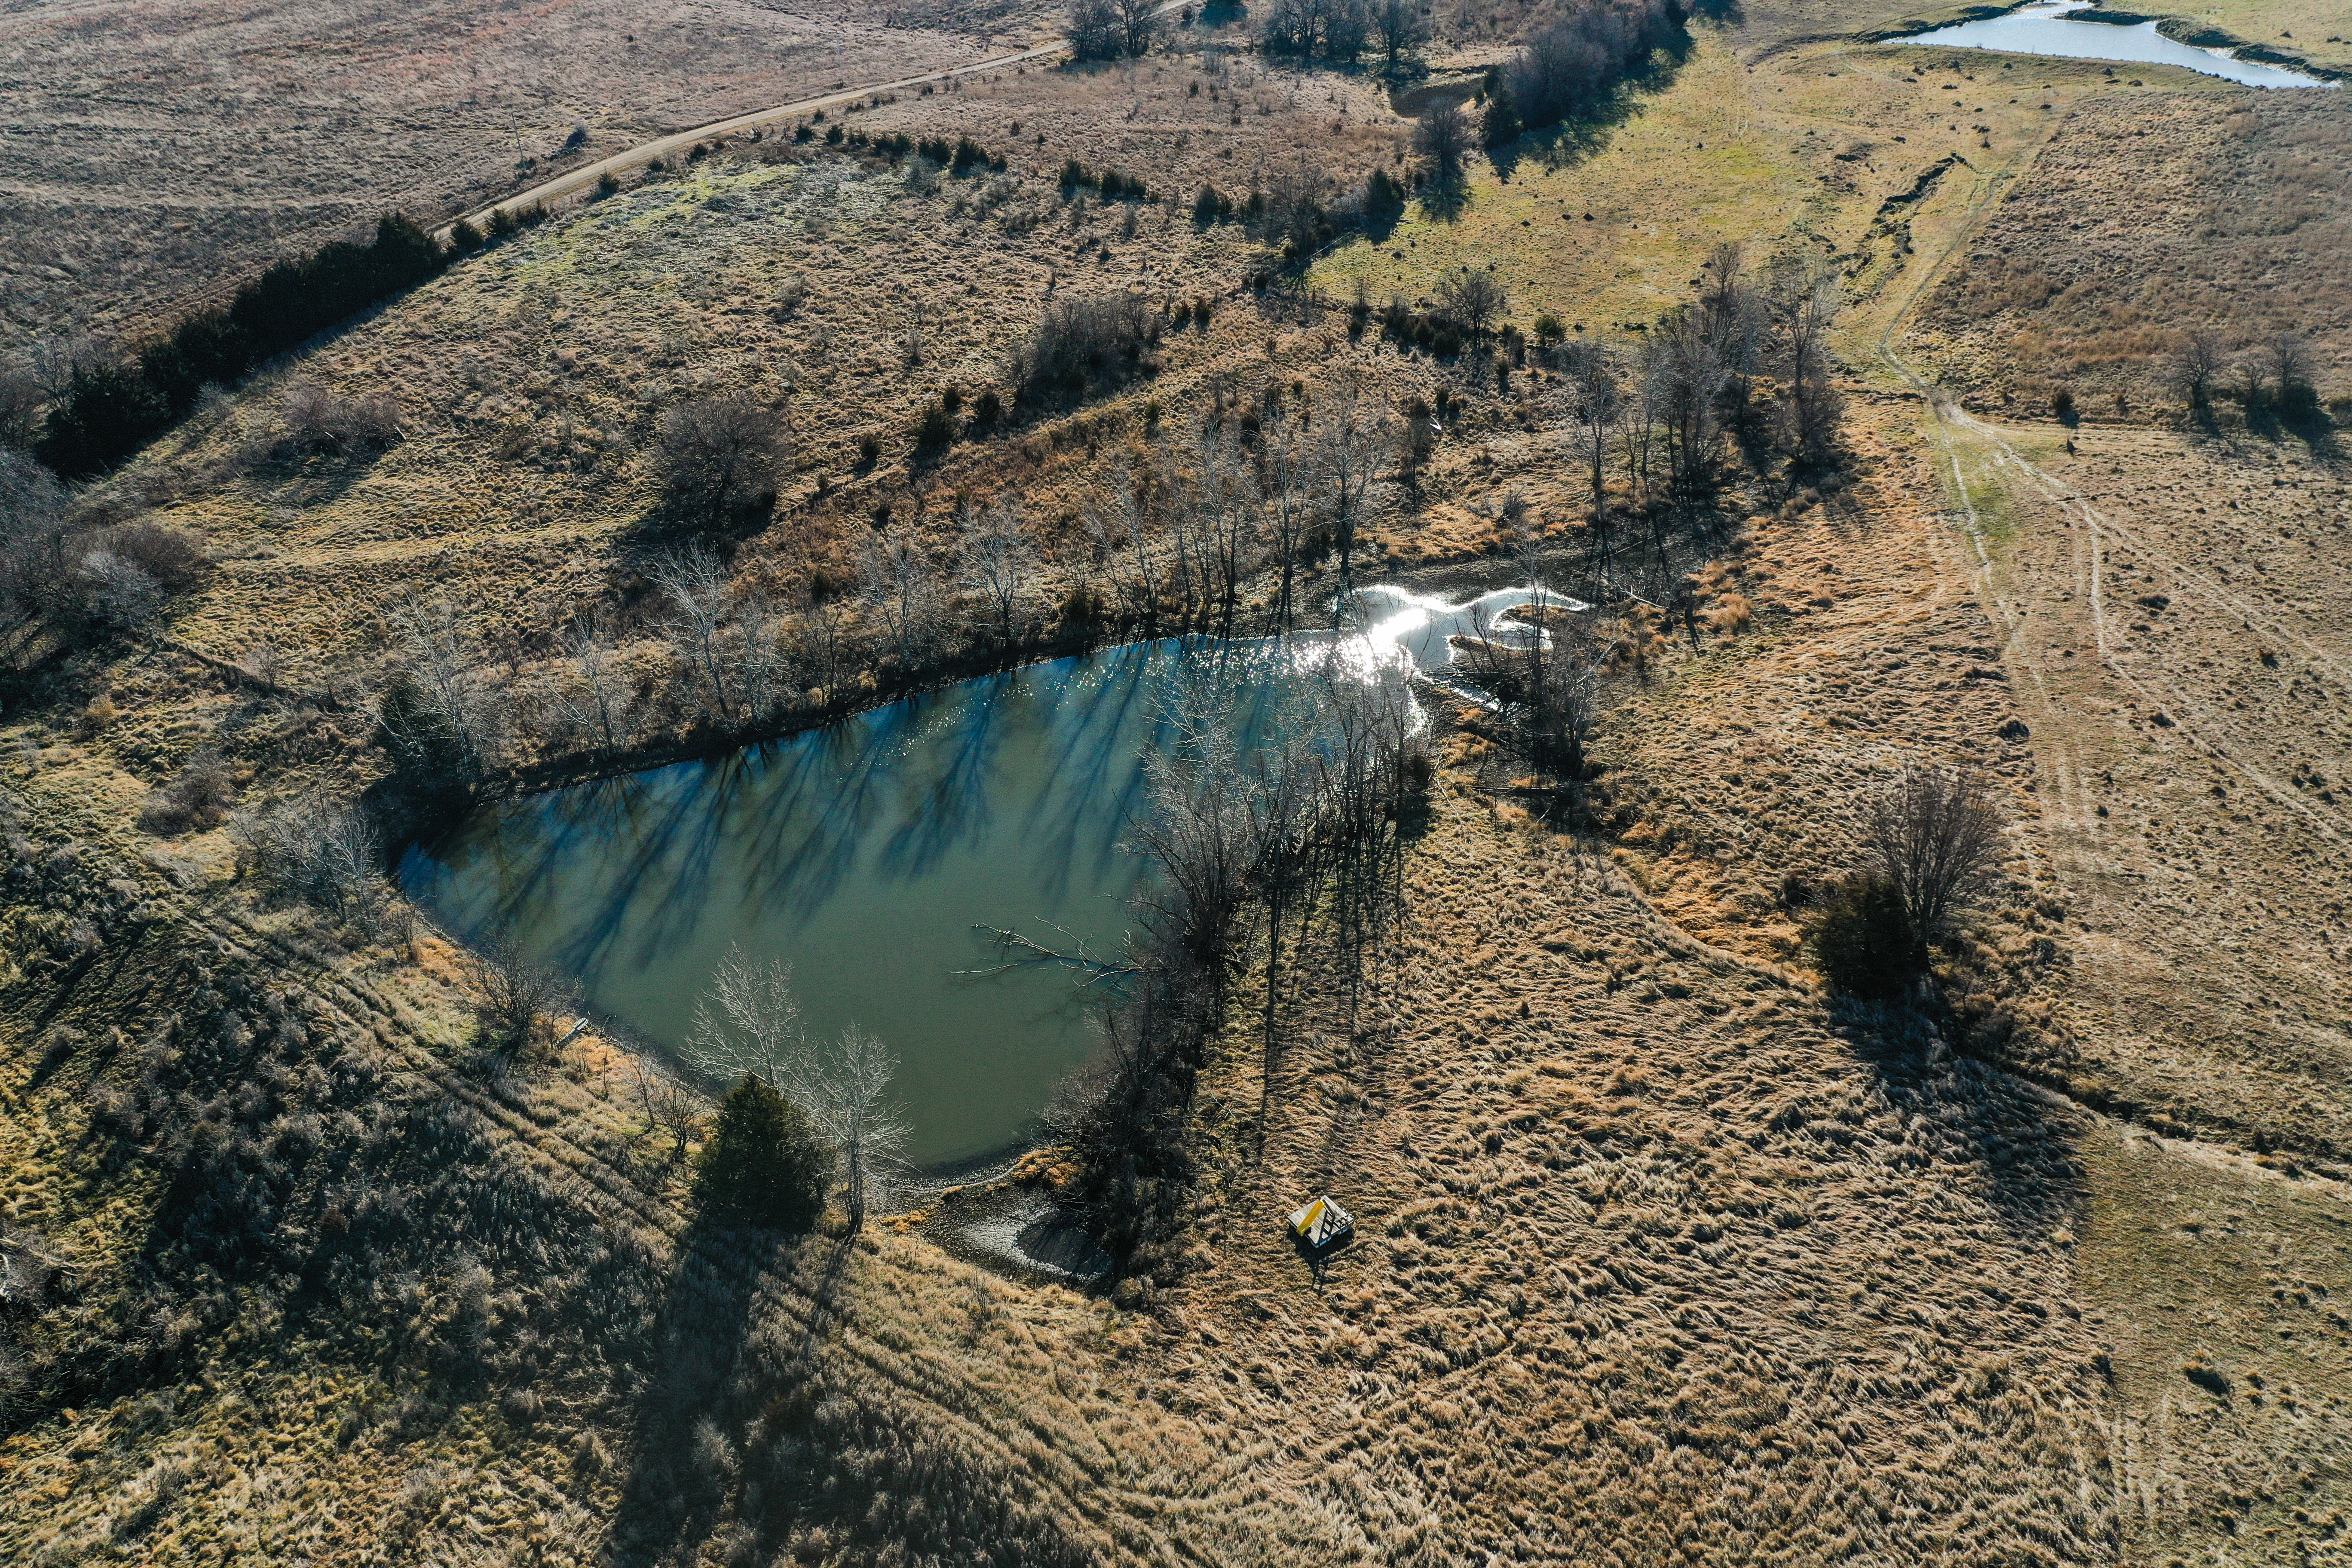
(1665,1255)
(155,148)
(2318,30)
(2147,217)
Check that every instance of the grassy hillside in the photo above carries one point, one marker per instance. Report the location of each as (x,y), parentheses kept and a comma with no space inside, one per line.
(1666,1253)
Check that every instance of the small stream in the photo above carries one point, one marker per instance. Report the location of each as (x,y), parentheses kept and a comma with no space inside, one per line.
(867,853)
(2048,28)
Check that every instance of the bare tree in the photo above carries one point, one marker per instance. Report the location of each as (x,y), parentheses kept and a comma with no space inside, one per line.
(1399,30)
(513,998)
(434,709)
(1097,30)
(667,1105)
(20,406)
(1685,380)
(1472,297)
(996,560)
(748,1020)
(1595,396)
(593,699)
(1352,441)
(1139,25)
(716,455)
(1443,135)
(1810,409)
(820,636)
(1226,513)
(1286,478)
(2287,356)
(1936,836)
(2197,366)
(34,558)
(1118,527)
(320,850)
(692,581)
(761,667)
(843,1085)
(896,579)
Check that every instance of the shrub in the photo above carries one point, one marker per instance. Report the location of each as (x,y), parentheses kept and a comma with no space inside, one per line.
(869,448)
(1100,338)
(2062,405)
(197,799)
(936,428)
(1863,939)
(316,420)
(607,185)
(464,237)
(718,454)
(987,408)
(1211,206)
(1548,330)
(762,1167)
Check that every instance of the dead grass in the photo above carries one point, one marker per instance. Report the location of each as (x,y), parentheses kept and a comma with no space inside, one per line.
(1664,1258)
(158,147)
(2146,217)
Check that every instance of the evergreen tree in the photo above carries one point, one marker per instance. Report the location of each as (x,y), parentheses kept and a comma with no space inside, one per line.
(762,1167)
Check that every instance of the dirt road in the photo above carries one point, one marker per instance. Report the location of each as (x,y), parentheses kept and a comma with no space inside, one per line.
(585,178)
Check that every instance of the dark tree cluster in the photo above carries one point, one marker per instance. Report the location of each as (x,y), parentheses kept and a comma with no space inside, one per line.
(1110,29)
(1329,29)
(1574,66)
(1099,339)
(960,158)
(1111,185)
(108,411)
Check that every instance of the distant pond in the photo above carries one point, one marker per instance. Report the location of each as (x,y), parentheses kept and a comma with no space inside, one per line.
(2048,28)
(867,853)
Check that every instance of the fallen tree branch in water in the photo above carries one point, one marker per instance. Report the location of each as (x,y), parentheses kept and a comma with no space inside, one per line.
(1024,953)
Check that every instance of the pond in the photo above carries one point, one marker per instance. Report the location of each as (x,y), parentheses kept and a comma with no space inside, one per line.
(2047,28)
(866,855)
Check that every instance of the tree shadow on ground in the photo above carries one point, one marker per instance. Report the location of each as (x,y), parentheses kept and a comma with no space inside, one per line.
(1553,148)
(1975,1118)
(694,1408)
(1445,198)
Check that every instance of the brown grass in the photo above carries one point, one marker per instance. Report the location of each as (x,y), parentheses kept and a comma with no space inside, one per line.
(160,146)
(1663,1259)
(2149,216)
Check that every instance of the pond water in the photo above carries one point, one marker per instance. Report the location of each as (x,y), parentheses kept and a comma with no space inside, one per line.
(866,854)
(2046,28)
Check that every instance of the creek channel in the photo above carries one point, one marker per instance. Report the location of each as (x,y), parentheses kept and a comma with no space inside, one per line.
(2049,27)
(870,855)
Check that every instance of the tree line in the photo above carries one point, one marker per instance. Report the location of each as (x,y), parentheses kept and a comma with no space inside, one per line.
(107,410)
(1573,65)
(1252,845)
